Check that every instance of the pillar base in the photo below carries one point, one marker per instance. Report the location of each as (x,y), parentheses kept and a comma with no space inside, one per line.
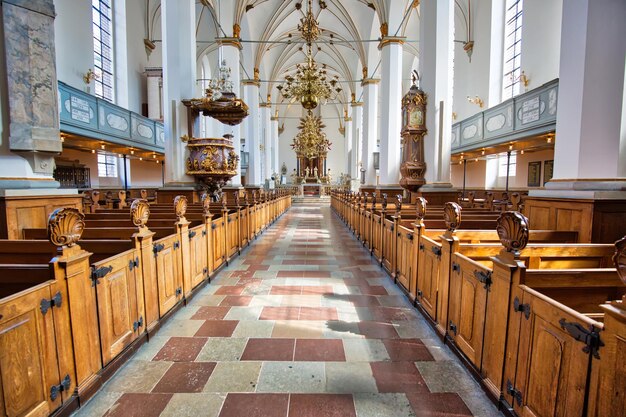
(169,191)
(437,194)
(594,208)
(390,189)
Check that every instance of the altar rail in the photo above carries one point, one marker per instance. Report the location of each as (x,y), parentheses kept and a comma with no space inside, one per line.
(530,321)
(71,314)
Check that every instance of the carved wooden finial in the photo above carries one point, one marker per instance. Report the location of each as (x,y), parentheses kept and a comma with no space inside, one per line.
(398,202)
(139,212)
(65,226)
(452,216)
(245,198)
(512,228)
(373,201)
(237,199)
(143,194)
(224,200)
(206,204)
(619,259)
(180,206)
(420,207)
(384,202)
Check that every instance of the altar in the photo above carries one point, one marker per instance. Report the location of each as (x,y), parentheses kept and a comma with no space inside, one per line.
(311,189)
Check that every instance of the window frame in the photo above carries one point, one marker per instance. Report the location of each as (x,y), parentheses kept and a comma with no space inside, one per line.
(108,167)
(511,67)
(102,41)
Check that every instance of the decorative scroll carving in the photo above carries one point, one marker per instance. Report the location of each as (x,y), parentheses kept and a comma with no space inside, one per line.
(420,207)
(180,206)
(619,259)
(512,228)
(65,226)
(452,216)
(206,204)
(139,212)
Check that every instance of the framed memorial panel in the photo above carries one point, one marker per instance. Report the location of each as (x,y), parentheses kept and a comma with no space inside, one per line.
(534,174)
(548,166)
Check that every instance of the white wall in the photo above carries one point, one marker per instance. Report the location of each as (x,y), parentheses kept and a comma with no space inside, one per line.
(541,40)
(73,41)
(475,174)
(145,174)
(521,175)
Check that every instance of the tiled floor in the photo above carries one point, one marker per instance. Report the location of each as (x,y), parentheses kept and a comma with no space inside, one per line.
(303,324)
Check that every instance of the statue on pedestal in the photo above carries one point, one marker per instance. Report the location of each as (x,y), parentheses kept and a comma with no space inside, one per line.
(307,171)
(315,172)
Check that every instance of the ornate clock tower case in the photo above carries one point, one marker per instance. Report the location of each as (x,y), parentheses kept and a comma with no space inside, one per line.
(413,167)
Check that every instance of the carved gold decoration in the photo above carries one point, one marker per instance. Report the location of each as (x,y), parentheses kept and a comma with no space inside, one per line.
(364,71)
(476,100)
(420,207)
(139,212)
(257,77)
(619,259)
(212,160)
(512,228)
(180,206)
(384,29)
(236,31)
(452,216)
(65,226)
(89,76)
(311,142)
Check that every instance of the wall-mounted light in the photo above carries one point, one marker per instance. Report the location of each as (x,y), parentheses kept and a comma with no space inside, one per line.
(476,160)
(132,151)
(522,152)
(454,115)
(89,76)
(476,100)
(154,155)
(120,155)
(102,146)
(510,147)
(483,152)
(157,161)
(93,151)
(549,138)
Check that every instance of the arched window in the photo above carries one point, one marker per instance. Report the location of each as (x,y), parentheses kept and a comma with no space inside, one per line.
(103,48)
(512,49)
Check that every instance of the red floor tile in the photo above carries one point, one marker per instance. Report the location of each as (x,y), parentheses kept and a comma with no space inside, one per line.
(317,289)
(230,290)
(268,350)
(361,300)
(185,377)
(217,328)
(375,330)
(181,349)
(280,313)
(407,350)
(315,274)
(255,405)
(373,290)
(286,290)
(210,313)
(236,301)
(318,313)
(139,405)
(398,377)
(441,404)
(321,405)
(388,314)
(319,350)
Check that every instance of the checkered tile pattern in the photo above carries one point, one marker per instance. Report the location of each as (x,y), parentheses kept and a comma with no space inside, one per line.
(304,323)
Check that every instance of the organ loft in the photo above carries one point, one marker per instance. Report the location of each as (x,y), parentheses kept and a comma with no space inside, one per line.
(312,208)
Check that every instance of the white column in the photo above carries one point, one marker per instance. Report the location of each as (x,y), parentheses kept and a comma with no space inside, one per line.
(251,127)
(275,161)
(591,88)
(391,118)
(266,133)
(349,148)
(436,31)
(357,140)
(370,129)
(231,53)
(154,84)
(179,57)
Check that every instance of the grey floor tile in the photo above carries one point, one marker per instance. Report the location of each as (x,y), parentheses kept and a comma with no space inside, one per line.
(234,377)
(222,349)
(382,405)
(137,376)
(365,350)
(349,377)
(194,405)
(298,377)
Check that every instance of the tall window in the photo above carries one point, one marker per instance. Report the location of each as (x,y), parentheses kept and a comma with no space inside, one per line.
(502,163)
(512,49)
(107,166)
(103,48)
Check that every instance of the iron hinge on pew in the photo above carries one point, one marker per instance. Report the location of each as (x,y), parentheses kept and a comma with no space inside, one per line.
(97,273)
(456,267)
(409,236)
(421,246)
(157,247)
(46,305)
(485,278)
(419,293)
(192,234)
(133,263)
(213,226)
(590,338)
(436,250)
(205,270)
(452,327)
(522,308)
(517,394)
(63,386)
(204,233)
(179,291)
(176,245)
(138,324)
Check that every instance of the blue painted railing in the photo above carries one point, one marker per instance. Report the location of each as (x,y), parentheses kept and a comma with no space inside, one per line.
(85,115)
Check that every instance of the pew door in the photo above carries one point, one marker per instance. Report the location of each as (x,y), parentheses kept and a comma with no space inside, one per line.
(388,239)
(198,255)
(552,368)
(217,228)
(365,230)
(169,272)
(243,227)
(428,274)
(117,292)
(405,256)
(469,283)
(377,242)
(233,234)
(28,355)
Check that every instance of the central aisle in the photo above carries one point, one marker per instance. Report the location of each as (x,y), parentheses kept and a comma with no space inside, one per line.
(303,324)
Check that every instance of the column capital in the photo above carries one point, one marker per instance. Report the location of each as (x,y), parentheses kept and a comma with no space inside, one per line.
(389,40)
(255,83)
(229,42)
(356,103)
(269,105)
(347,119)
(368,81)
(274,118)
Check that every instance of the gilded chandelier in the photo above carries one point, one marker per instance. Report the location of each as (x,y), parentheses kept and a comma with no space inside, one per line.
(311,142)
(310,84)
